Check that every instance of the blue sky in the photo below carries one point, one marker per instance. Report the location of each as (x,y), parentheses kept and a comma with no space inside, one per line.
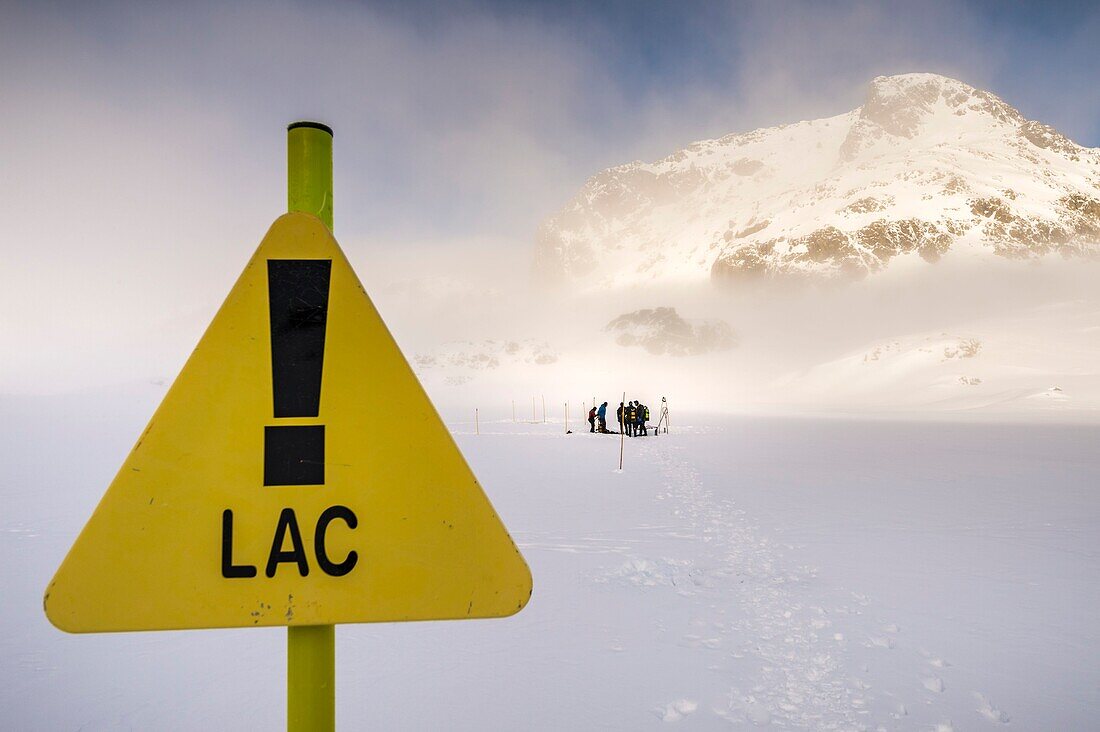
(1039,51)
(144,143)
(565,87)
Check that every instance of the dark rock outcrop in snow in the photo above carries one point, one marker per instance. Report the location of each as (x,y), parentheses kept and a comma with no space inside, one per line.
(662,331)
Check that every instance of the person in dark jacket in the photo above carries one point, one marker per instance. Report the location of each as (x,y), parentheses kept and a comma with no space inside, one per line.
(601,414)
(631,418)
(592,419)
(643,417)
(619,416)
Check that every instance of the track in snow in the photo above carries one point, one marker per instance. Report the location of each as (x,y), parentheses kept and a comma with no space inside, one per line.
(791,574)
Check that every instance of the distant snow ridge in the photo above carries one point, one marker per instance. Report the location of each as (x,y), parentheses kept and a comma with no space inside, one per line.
(928,164)
(929,367)
(463,360)
(943,348)
(662,331)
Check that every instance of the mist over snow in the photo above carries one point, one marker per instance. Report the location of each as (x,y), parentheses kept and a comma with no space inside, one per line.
(146,160)
(932,252)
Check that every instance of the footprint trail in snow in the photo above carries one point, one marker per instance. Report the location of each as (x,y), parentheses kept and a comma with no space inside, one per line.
(792,652)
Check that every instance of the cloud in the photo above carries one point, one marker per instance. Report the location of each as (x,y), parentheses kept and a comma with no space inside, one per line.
(143,155)
(143,146)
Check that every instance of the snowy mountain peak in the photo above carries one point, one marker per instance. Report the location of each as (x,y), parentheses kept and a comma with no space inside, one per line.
(898,102)
(926,165)
(902,106)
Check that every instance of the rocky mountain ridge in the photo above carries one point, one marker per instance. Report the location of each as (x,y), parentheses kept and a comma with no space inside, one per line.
(926,166)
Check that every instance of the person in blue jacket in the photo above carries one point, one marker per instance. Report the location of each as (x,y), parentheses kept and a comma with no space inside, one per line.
(601,414)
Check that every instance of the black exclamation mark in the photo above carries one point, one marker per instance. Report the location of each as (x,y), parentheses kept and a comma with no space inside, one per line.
(298,297)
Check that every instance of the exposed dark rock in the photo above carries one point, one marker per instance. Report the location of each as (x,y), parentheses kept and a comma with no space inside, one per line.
(661,331)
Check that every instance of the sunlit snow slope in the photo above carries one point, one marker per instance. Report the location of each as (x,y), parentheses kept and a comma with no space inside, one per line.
(927,165)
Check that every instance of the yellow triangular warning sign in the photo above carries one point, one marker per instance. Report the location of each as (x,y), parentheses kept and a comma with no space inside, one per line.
(295,474)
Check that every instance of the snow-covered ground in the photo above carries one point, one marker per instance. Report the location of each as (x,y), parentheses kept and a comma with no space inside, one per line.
(799,574)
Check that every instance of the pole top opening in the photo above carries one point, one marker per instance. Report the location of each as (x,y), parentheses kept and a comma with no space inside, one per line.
(310,125)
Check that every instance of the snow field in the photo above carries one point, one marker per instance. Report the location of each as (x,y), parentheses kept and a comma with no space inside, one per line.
(739,573)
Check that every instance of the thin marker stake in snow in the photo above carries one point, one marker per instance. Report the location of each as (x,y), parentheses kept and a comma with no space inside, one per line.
(477,424)
(622,434)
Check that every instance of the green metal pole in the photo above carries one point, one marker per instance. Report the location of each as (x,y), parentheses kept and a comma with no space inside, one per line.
(310,649)
(309,169)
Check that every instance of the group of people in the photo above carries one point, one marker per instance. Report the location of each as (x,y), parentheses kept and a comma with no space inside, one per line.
(631,418)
